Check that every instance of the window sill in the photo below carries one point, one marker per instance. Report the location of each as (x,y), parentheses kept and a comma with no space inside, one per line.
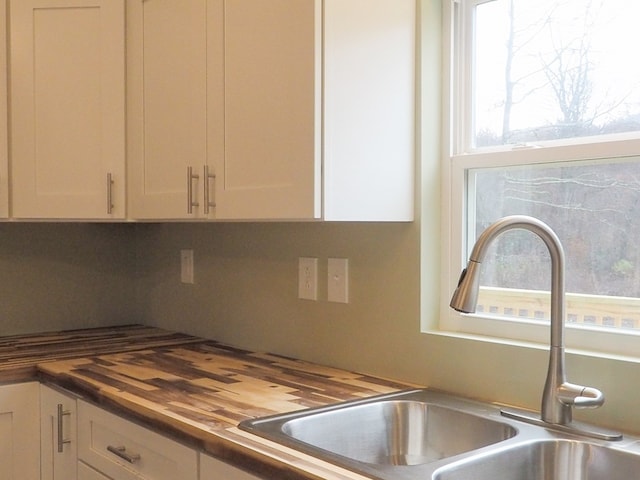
(582,352)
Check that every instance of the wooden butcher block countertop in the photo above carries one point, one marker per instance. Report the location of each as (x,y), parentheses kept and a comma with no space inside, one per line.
(199,390)
(21,354)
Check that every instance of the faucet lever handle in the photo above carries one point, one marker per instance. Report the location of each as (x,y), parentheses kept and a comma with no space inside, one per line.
(579,396)
(589,398)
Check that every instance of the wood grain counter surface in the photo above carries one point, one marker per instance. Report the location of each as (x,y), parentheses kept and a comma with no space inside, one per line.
(198,390)
(20,354)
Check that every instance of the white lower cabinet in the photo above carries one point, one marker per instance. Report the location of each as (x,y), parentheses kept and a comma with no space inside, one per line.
(122,450)
(87,473)
(19,429)
(213,469)
(79,441)
(58,435)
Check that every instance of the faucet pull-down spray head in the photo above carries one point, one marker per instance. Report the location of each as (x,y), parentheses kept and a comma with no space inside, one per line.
(465,296)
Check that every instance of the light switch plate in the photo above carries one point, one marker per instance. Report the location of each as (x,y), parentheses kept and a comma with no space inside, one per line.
(308,278)
(338,280)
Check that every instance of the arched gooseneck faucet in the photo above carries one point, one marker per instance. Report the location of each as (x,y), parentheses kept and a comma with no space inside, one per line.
(559,396)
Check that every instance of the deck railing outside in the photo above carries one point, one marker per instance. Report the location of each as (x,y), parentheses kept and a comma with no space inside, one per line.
(591,310)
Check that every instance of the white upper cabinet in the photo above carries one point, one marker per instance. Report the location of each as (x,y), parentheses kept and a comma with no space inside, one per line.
(280,109)
(67,108)
(235,109)
(174,105)
(319,110)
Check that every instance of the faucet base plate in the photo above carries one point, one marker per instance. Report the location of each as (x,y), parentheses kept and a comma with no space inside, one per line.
(576,428)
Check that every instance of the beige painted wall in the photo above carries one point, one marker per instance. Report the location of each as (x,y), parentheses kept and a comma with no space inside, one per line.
(64,276)
(245,290)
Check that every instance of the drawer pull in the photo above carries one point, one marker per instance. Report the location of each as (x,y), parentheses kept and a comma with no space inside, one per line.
(122,453)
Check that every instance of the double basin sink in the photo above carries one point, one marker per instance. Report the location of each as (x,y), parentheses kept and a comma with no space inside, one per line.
(423,434)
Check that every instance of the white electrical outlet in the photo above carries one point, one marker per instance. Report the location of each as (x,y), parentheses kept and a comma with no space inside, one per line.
(338,280)
(308,278)
(186,266)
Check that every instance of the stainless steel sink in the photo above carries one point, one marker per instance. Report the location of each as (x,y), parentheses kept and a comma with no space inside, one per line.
(548,460)
(396,432)
(429,435)
(388,433)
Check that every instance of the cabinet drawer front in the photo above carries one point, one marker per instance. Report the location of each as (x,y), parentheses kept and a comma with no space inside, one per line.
(214,469)
(88,473)
(121,449)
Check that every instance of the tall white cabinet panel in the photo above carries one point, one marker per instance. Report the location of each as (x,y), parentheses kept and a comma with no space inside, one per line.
(174,105)
(19,432)
(272,162)
(58,435)
(67,115)
(369,109)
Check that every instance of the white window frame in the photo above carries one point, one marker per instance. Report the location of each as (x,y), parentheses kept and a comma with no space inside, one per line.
(456,92)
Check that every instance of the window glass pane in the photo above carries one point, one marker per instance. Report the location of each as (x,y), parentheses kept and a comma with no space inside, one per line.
(593,208)
(553,69)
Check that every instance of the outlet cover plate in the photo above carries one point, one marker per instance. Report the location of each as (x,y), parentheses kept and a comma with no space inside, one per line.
(308,278)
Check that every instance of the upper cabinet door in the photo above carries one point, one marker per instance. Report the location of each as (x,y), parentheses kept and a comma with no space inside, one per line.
(67,108)
(174,80)
(272,161)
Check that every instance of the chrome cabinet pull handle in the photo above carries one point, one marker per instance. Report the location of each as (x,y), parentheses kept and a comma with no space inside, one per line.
(109,194)
(122,453)
(190,177)
(208,204)
(61,439)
